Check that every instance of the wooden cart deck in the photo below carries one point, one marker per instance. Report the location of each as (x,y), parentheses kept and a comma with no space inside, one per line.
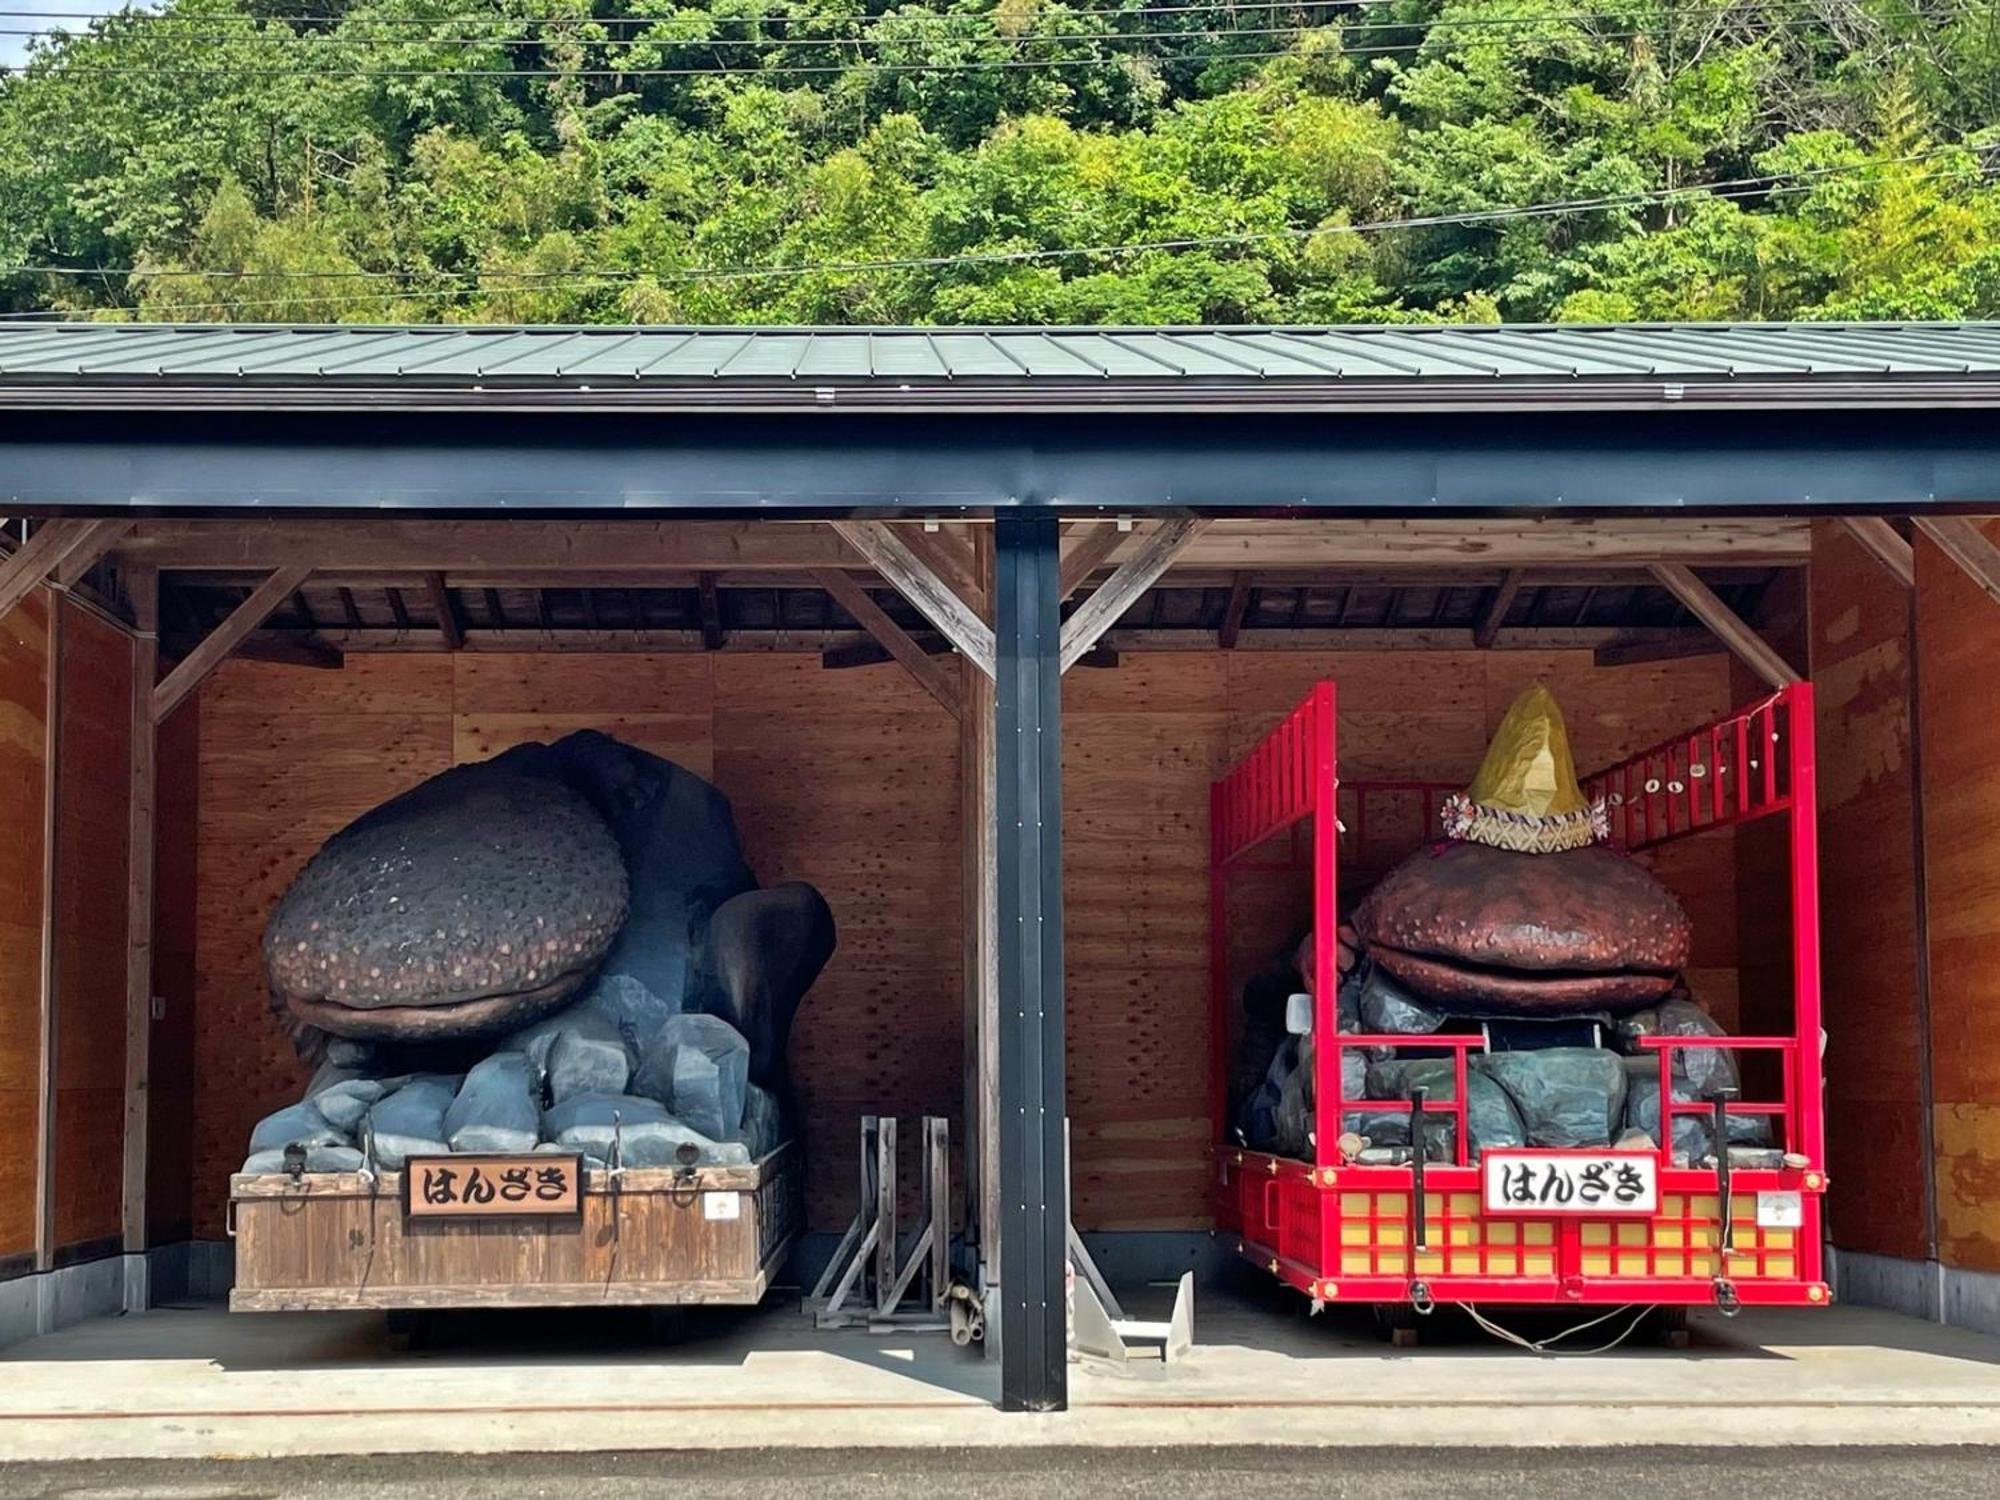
(646,1237)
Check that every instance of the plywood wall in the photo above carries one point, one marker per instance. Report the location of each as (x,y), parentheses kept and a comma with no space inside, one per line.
(1861,669)
(23,773)
(850,780)
(94,742)
(1957,628)
(846,779)
(1142,744)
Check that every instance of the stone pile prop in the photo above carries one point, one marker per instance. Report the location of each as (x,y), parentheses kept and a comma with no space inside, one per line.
(1522,913)
(560,948)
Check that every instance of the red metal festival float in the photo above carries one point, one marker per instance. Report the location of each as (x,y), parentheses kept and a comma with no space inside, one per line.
(1674,1216)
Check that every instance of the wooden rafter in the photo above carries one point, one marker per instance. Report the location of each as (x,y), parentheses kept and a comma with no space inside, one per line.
(711,612)
(934,676)
(216,647)
(447,612)
(1488,628)
(1730,628)
(64,550)
(1886,545)
(1139,572)
(1960,539)
(929,594)
(1233,612)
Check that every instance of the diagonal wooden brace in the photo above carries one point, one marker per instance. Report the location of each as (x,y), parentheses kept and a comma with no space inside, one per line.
(1139,572)
(1960,539)
(1886,545)
(932,597)
(932,674)
(1729,627)
(216,647)
(63,550)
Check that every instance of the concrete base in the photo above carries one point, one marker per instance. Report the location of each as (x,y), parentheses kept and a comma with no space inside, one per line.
(199,1383)
(41,1303)
(1917,1289)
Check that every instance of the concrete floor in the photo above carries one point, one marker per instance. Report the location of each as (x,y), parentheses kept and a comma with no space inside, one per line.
(198,1382)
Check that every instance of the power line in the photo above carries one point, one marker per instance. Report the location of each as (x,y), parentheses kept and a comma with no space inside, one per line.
(261,26)
(758,69)
(1744,187)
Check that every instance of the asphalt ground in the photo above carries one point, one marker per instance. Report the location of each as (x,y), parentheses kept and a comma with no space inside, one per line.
(1155,1474)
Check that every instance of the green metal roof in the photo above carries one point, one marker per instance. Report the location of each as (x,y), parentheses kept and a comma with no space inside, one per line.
(1040,368)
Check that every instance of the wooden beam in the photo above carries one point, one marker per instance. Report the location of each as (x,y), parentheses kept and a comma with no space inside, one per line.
(1750,647)
(216,647)
(1886,545)
(933,598)
(869,652)
(1488,628)
(1086,548)
(1232,617)
(142,587)
(1637,653)
(933,676)
(447,612)
(51,547)
(764,545)
(711,613)
(1122,589)
(1960,539)
(288,648)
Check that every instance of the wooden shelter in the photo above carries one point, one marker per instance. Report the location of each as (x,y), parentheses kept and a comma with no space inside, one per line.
(257,579)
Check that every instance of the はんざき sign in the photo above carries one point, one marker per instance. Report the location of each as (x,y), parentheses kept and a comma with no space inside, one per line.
(1570,1182)
(472,1187)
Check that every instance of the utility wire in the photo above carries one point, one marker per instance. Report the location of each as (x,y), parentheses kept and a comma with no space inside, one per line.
(1746,187)
(755,69)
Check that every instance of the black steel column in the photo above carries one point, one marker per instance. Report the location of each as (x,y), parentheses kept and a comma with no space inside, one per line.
(1034,1182)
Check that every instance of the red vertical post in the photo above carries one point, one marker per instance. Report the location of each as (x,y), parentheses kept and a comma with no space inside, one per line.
(1326,973)
(1804,813)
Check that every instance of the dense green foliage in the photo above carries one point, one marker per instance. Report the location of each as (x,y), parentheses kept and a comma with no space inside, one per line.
(644,160)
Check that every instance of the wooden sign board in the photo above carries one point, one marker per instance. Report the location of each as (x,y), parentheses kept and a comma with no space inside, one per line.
(542,1185)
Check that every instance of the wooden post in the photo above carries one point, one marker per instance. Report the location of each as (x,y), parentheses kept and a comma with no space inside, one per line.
(1751,648)
(143,586)
(45,1139)
(446,612)
(980,895)
(1232,617)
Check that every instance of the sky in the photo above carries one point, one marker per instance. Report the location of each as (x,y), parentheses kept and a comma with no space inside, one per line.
(14,48)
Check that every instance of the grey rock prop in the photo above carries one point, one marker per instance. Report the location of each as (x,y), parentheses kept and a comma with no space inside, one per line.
(410,1122)
(495,1109)
(296,1125)
(1491,1119)
(763,1129)
(345,1103)
(698,1067)
(588,1059)
(1708,1070)
(1566,1096)
(635,1011)
(1386,1006)
(644,1134)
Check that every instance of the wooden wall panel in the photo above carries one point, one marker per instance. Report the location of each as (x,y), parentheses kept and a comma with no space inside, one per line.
(24,642)
(1141,746)
(287,756)
(1860,653)
(850,779)
(93,790)
(1957,626)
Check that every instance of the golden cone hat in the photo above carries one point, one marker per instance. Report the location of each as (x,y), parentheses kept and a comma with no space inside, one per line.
(1526,796)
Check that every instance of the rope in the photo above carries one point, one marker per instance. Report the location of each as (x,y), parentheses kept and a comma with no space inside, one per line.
(1547,1346)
